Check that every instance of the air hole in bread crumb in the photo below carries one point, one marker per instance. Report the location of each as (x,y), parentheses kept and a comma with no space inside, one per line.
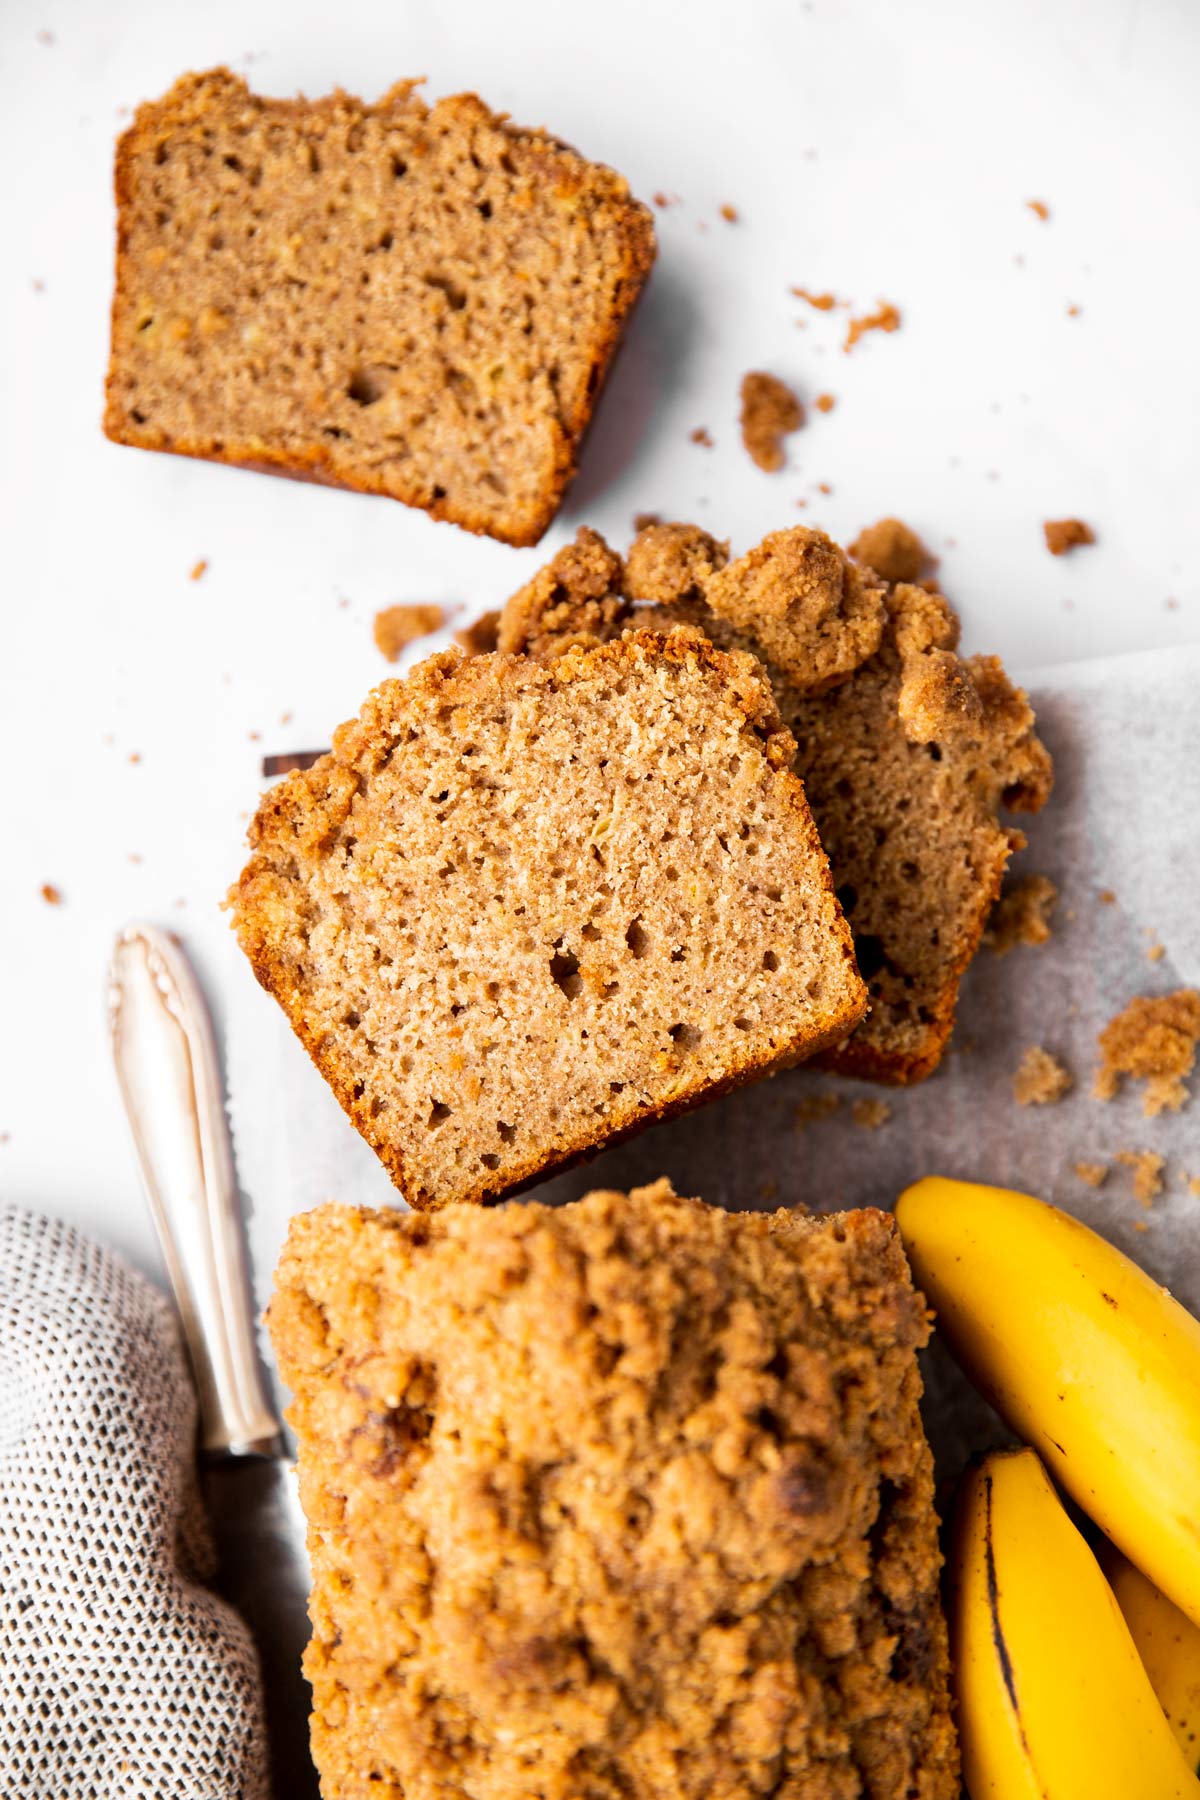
(770,961)
(490,1160)
(507,1132)
(366,387)
(564,971)
(686,1036)
(438,1114)
(399,168)
(637,940)
(741,1023)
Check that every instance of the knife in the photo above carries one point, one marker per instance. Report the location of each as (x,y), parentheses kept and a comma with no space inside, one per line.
(169,1076)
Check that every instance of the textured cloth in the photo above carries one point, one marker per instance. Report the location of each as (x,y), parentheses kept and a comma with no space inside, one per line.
(120,1677)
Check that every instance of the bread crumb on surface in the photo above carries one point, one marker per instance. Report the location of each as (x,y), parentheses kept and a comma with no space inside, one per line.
(662,201)
(1066,534)
(198,569)
(478,638)
(824,487)
(1040,208)
(1073,312)
(1041,1079)
(1094,1173)
(1106,897)
(730,214)
(1021,915)
(870,1114)
(1193,1182)
(825,403)
(770,412)
(1147,1166)
(701,435)
(886,317)
(1153,1040)
(398,626)
(814,1107)
(1156,952)
(50,894)
(892,549)
(822,302)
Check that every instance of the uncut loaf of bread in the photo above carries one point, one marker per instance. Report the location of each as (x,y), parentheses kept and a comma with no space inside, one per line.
(907,752)
(622,1500)
(407,300)
(524,908)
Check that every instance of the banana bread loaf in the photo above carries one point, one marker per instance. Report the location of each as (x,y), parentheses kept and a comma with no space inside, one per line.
(523,908)
(622,1500)
(407,300)
(907,751)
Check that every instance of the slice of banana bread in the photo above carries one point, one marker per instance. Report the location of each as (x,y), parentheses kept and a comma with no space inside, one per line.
(523,908)
(412,301)
(907,751)
(622,1500)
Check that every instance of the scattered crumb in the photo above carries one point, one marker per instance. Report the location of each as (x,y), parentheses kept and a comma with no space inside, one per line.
(1154,1040)
(1073,312)
(643,521)
(135,856)
(1066,534)
(199,569)
(1106,897)
(39,286)
(478,638)
(45,37)
(1156,952)
(892,549)
(50,894)
(135,756)
(1193,1182)
(822,302)
(730,214)
(1095,1174)
(398,626)
(825,403)
(886,317)
(1041,1079)
(701,435)
(814,1107)
(285,718)
(1147,1166)
(1040,208)
(770,412)
(283,764)
(870,1114)
(1171,605)
(662,201)
(5,1137)
(343,603)
(1021,915)
(254,736)
(801,504)
(824,487)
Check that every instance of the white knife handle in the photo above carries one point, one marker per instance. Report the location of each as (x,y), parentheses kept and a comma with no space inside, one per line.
(170,1081)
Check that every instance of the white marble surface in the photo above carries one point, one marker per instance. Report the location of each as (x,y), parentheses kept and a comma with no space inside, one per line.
(872,149)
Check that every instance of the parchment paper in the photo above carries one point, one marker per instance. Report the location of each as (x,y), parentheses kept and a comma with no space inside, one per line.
(1125,815)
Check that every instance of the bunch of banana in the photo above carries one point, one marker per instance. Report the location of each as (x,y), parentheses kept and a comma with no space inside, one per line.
(1099,1368)
(1053,1700)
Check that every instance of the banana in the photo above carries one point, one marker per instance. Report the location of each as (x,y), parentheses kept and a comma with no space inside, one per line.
(1168,1644)
(1085,1357)
(1053,1701)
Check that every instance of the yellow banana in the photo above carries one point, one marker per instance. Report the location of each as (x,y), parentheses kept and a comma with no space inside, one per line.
(1168,1644)
(1053,1701)
(1085,1357)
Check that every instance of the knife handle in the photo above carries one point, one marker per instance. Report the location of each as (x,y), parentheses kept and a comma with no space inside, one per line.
(170,1081)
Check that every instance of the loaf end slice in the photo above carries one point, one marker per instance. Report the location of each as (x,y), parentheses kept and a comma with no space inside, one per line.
(627,1497)
(406,300)
(523,909)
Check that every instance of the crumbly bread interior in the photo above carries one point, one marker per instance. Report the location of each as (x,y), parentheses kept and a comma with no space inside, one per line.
(523,908)
(620,1500)
(413,301)
(907,751)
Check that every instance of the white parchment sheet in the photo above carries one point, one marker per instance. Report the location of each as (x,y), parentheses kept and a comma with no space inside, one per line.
(1125,816)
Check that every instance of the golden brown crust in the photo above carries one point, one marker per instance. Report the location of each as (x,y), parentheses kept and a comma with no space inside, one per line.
(302,820)
(624,1498)
(538,164)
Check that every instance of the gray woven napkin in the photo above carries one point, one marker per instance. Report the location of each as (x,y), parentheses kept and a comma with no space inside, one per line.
(120,1675)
